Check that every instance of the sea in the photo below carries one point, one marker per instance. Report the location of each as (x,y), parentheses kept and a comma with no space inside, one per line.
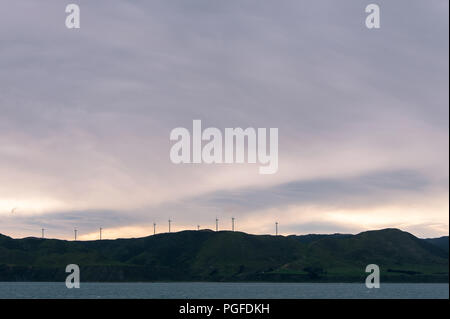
(213,290)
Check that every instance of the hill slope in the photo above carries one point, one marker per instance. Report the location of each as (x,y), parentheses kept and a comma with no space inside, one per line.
(441,242)
(228,256)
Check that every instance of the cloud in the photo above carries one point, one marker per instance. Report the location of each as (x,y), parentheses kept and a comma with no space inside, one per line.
(378,200)
(86,114)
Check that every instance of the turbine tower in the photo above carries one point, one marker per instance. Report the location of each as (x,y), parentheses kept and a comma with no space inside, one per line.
(43,229)
(198,227)
(75,233)
(169,224)
(154,228)
(276,228)
(232,223)
(100,233)
(217,224)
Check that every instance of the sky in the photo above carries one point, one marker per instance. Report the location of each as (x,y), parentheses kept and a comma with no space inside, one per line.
(86,114)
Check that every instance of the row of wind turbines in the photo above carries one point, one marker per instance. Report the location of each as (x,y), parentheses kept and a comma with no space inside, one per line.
(170,223)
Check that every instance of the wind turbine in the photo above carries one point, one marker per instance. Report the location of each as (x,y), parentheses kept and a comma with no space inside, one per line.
(198,227)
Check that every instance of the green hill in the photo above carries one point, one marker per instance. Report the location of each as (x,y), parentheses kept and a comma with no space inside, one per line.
(229,256)
(441,242)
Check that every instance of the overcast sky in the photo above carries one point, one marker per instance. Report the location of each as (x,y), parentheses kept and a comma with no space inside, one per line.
(85,116)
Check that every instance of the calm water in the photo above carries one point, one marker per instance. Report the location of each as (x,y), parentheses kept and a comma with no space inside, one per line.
(220,290)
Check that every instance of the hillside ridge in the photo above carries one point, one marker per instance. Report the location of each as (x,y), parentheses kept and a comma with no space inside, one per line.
(207,255)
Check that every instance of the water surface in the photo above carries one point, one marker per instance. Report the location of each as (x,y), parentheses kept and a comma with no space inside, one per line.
(213,290)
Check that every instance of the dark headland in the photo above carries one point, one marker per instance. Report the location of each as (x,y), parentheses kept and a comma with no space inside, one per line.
(229,256)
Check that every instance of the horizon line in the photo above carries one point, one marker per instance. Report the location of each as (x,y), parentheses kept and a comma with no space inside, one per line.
(218,231)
